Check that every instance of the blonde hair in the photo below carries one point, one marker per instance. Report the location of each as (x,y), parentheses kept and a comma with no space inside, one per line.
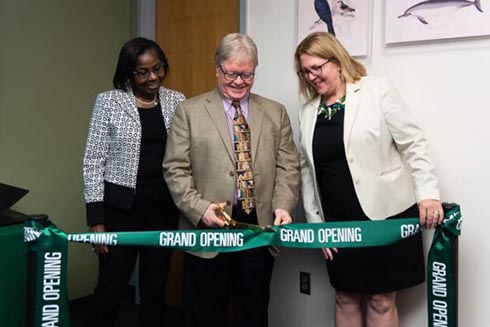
(237,46)
(326,46)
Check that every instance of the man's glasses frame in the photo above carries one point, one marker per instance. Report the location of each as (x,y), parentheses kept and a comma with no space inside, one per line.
(231,76)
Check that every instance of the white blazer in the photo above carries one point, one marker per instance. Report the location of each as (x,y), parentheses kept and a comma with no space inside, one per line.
(386,151)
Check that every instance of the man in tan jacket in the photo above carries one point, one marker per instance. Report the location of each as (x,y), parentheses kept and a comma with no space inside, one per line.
(234,149)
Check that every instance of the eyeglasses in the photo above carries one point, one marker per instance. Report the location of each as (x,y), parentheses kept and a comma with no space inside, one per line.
(314,70)
(231,76)
(145,73)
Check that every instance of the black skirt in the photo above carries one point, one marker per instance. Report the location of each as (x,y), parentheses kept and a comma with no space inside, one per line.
(380,269)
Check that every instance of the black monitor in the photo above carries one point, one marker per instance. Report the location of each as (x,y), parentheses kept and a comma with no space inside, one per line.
(9,195)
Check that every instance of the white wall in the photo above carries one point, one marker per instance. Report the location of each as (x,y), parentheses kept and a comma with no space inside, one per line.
(446,85)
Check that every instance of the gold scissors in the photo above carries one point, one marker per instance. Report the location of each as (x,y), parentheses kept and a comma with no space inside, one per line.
(233,224)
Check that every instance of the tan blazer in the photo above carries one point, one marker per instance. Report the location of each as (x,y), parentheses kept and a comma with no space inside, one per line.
(199,160)
(386,151)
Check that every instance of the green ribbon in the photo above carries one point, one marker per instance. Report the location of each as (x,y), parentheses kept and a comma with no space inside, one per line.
(321,235)
(51,246)
(51,298)
(440,272)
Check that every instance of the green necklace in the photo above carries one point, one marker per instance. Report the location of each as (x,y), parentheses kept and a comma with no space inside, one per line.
(329,111)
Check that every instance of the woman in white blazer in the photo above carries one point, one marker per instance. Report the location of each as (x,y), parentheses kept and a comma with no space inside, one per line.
(123,179)
(363,157)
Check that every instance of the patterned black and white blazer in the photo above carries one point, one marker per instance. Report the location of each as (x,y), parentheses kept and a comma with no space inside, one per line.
(110,162)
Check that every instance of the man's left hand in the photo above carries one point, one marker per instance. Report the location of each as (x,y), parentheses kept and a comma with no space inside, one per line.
(282,217)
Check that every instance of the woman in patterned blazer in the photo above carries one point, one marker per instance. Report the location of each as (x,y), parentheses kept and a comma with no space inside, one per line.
(124,186)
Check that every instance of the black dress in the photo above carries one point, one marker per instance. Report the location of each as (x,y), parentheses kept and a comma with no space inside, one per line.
(152,192)
(369,270)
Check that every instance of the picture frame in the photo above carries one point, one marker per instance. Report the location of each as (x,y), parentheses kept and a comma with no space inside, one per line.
(418,20)
(347,19)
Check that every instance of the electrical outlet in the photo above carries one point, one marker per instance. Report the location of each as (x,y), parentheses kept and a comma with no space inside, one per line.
(304,282)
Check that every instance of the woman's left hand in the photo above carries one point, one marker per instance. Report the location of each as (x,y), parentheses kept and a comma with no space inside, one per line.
(100,249)
(328,253)
(431,213)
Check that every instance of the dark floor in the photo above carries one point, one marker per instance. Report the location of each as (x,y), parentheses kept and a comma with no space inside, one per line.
(127,313)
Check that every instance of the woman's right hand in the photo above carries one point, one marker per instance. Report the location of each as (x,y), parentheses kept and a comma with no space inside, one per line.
(101,248)
(328,253)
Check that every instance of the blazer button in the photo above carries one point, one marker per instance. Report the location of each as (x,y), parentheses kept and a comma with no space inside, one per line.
(231,173)
(351,160)
(356,181)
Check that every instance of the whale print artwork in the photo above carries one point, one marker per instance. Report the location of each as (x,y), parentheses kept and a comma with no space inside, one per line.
(346,19)
(418,20)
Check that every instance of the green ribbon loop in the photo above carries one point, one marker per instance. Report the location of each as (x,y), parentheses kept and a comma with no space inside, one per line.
(440,272)
(51,247)
(50,243)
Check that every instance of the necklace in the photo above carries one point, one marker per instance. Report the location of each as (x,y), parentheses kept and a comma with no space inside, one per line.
(152,102)
(328,111)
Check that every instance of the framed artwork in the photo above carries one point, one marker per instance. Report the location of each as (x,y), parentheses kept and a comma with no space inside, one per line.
(348,20)
(417,20)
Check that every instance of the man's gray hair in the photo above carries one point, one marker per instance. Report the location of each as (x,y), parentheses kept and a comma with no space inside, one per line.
(237,46)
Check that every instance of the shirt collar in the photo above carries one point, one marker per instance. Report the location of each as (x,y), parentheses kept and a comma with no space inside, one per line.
(228,106)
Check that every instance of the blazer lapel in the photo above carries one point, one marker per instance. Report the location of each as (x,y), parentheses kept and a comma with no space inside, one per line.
(309,121)
(128,104)
(256,116)
(166,112)
(351,107)
(215,109)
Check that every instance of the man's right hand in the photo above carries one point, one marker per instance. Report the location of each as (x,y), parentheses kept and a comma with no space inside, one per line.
(212,216)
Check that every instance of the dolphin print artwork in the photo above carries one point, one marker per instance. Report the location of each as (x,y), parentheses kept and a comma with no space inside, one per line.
(433,8)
